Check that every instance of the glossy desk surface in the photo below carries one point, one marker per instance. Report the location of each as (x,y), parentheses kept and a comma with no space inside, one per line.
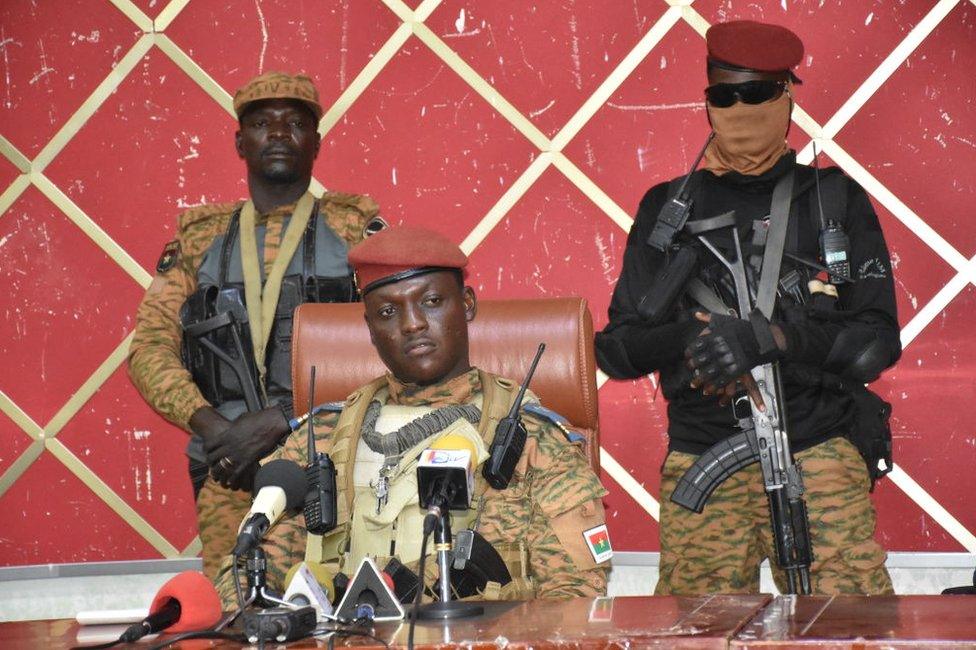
(860,622)
(650,622)
(739,622)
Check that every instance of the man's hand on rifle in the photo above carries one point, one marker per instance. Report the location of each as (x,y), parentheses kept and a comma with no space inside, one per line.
(234,451)
(723,354)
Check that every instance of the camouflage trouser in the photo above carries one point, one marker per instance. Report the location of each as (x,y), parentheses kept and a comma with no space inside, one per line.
(219,515)
(720,550)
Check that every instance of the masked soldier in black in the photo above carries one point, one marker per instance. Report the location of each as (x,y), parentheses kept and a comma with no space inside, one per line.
(674,311)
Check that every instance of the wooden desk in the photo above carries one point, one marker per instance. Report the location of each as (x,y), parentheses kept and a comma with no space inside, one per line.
(645,622)
(862,622)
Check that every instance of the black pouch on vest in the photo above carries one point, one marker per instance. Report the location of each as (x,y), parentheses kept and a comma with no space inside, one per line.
(872,431)
(668,285)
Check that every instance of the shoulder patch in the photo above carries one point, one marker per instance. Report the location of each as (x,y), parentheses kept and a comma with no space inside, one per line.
(169,257)
(598,541)
(554,418)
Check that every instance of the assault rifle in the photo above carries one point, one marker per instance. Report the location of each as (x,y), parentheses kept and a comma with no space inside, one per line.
(763,438)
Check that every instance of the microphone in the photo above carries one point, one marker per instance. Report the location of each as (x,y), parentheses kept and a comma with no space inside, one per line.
(311,584)
(279,486)
(369,596)
(188,601)
(445,476)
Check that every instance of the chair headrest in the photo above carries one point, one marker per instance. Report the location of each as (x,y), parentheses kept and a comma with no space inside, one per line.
(503,339)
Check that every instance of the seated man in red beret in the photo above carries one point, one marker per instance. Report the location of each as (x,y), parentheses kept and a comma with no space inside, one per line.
(828,335)
(417,309)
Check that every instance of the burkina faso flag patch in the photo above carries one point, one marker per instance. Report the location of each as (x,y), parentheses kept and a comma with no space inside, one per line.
(598,541)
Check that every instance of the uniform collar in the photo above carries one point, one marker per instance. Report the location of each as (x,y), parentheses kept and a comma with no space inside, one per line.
(281,212)
(455,391)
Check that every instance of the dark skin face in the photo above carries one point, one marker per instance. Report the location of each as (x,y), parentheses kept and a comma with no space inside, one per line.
(278,141)
(420,327)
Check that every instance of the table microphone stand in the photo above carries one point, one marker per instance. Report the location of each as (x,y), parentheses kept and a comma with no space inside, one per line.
(445,608)
(257,583)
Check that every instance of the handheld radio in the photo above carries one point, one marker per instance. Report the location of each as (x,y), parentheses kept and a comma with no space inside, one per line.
(320,500)
(676,211)
(510,435)
(834,245)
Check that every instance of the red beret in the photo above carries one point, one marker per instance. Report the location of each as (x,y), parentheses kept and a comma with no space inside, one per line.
(402,252)
(754,46)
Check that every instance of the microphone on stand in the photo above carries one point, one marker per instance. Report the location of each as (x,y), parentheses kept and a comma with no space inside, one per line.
(279,486)
(445,477)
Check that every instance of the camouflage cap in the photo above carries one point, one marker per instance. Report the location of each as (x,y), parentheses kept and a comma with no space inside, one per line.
(278,85)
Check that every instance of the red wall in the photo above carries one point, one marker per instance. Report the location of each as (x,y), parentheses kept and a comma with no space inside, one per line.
(527,131)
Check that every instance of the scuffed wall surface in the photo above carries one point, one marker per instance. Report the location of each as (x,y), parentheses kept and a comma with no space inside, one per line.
(525,131)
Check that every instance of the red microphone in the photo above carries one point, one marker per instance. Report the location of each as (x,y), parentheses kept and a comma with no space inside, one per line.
(188,601)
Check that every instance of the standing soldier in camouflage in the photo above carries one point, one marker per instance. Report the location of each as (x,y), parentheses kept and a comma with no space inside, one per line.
(829,335)
(212,347)
(547,526)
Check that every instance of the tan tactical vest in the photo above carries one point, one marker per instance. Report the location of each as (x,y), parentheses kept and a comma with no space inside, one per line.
(331,549)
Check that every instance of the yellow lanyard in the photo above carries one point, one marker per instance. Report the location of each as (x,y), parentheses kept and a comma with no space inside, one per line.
(261,304)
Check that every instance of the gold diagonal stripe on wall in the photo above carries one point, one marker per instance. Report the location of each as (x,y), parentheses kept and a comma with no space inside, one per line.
(400,10)
(113,500)
(169,14)
(893,204)
(887,67)
(94,101)
(193,548)
(482,87)
(352,92)
(88,388)
(629,484)
(135,14)
(13,192)
(196,73)
(19,466)
(505,203)
(695,19)
(931,310)
(425,9)
(616,78)
(92,229)
(593,191)
(21,419)
(13,154)
(933,508)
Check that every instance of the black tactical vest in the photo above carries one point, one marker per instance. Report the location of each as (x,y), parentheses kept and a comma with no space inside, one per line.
(217,346)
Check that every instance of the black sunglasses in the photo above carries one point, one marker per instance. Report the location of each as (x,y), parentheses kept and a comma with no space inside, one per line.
(749,92)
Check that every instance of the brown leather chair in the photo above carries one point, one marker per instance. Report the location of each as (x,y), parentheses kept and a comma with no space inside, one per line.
(503,337)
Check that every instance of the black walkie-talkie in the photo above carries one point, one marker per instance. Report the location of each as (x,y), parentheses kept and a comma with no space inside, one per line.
(320,500)
(509,441)
(676,211)
(834,245)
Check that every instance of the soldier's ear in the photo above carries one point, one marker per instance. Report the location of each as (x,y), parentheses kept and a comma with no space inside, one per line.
(470,303)
(238,144)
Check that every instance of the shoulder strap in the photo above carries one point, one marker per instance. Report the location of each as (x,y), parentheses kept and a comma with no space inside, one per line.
(308,254)
(779,219)
(227,249)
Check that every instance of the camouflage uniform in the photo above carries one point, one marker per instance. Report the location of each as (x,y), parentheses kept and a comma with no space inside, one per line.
(554,498)
(155,363)
(719,550)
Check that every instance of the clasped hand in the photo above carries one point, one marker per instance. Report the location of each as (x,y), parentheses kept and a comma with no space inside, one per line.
(234,449)
(721,357)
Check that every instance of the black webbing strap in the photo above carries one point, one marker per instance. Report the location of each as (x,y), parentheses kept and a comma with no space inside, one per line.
(225,251)
(779,219)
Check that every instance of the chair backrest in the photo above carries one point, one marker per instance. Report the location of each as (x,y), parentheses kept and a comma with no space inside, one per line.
(503,339)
